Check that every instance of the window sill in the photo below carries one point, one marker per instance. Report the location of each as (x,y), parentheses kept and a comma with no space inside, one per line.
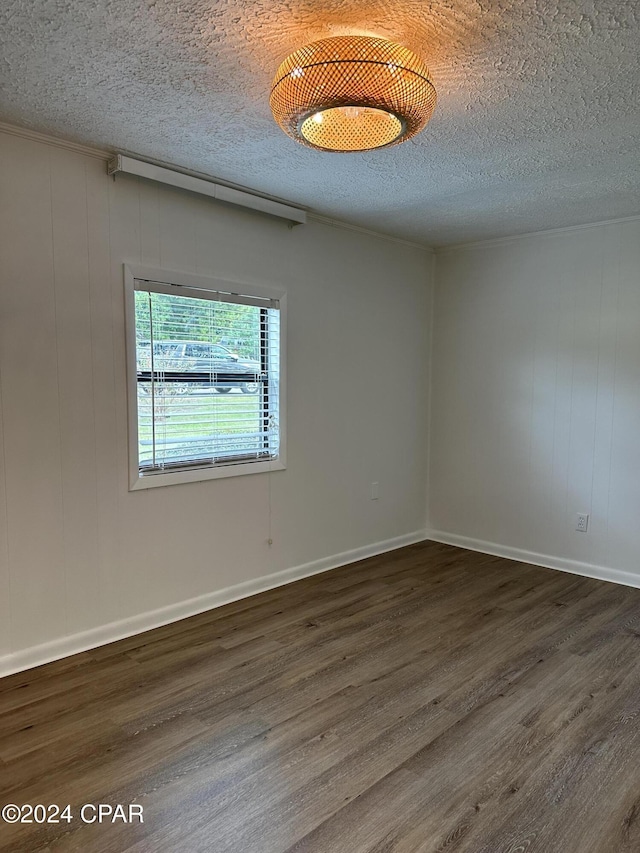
(196,475)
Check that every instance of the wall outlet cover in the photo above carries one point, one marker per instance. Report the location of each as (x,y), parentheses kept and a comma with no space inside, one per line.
(582,522)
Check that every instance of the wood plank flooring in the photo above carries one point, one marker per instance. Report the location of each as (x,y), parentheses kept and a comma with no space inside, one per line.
(431,699)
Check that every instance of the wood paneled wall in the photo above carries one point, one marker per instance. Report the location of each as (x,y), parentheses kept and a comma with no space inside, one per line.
(77,549)
(536,396)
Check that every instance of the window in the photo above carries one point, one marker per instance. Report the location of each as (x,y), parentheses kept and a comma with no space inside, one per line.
(205,363)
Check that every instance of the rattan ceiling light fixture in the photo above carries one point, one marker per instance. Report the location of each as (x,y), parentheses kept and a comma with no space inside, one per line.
(352,93)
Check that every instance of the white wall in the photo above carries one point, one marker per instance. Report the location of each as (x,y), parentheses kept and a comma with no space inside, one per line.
(536,397)
(77,549)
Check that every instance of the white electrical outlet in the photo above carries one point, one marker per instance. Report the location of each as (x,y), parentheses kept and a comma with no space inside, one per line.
(375,491)
(582,522)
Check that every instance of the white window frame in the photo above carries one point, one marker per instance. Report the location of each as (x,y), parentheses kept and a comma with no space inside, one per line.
(137,480)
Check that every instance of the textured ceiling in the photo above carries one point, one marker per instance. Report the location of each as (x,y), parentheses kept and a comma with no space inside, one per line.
(537,124)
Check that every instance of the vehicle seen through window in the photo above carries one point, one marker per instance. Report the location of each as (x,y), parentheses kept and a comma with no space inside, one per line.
(196,365)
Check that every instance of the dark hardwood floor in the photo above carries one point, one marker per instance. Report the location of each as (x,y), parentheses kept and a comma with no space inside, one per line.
(431,699)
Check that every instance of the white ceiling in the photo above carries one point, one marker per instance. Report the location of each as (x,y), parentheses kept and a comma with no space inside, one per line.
(537,124)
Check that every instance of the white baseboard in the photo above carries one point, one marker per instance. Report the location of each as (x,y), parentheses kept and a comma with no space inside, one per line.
(100,636)
(574,567)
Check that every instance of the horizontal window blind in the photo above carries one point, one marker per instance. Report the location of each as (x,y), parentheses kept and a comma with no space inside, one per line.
(208,377)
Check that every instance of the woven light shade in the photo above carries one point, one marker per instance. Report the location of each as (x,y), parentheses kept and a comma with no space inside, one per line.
(352,93)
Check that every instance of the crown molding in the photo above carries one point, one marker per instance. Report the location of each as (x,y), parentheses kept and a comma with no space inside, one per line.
(107,154)
(339,223)
(527,235)
(58,142)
